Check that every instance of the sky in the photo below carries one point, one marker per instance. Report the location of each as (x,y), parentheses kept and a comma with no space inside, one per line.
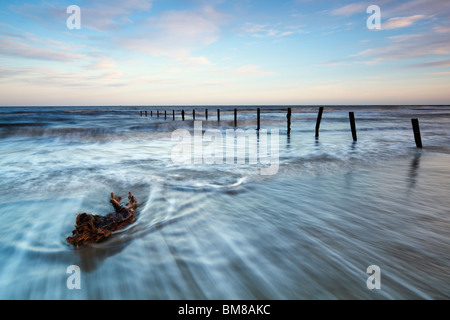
(224,52)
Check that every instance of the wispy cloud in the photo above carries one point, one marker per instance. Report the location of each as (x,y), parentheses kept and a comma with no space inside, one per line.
(55,78)
(111,15)
(101,62)
(332,63)
(197,61)
(99,15)
(266,30)
(174,33)
(445,73)
(417,7)
(408,46)
(16,49)
(442,29)
(350,9)
(432,64)
(402,22)
(251,70)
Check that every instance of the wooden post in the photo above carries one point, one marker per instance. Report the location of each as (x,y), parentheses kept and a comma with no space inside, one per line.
(146,114)
(353,125)
(151,113)
(173,115)
(218,115)
(319,119)
(235,117)
(165,115)
(289,116)
(182,114)
(141,114)
(417,135)
(193,115)
(206,114)
(259,119)
(157,114)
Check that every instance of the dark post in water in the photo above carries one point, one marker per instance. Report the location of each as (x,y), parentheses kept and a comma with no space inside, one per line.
(417,135)
(319,119)
(353,125)
(165,114)
(289,116)
(182,114)
(259,119)
(193,115)
(151,113)
(206,114)
(235,117)
(173,115)
(218,115)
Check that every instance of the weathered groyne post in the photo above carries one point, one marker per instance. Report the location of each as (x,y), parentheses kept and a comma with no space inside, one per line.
(289,116)
(182,114)
(218,115)
(235,117)
(258,119)
(319,120)
(206,114)
(353,126)
(417,135)
(193,115)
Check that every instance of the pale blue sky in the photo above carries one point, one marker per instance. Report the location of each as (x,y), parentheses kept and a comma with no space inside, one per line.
(197,52)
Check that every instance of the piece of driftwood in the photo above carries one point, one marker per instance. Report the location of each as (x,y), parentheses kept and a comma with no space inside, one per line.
(93,228)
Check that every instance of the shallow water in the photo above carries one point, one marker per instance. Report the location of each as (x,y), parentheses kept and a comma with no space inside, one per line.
(224,231)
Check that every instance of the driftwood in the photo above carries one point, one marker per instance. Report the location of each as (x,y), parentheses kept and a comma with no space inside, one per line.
(94,228)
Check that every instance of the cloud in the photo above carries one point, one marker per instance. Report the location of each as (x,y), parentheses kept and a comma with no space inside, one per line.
(39,75)
(408,46)
(256,30)
(52,77)
(26,45)
(45,13)
(16,49)
(432,64)
(442,29)
(436,8)
(99,15)
(101,62)
(8,73)
(445,73)
(394,8)
(401,22)
(263,30)
(198,61)
(350,9)
(250,70)
(111,15)
(175,33)
(332,63)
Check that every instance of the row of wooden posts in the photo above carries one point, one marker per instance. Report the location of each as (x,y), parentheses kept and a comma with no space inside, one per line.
(415,122)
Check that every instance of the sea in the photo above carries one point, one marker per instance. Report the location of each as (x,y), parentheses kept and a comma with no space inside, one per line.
(337,219)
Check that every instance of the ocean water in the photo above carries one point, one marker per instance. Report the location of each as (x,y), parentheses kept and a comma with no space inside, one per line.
(224,230)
